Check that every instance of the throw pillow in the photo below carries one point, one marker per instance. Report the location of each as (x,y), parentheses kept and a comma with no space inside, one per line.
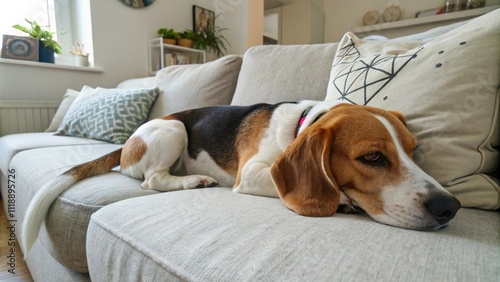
(63,108)
(110,114)
(448,90)
(185,87)
(68,99)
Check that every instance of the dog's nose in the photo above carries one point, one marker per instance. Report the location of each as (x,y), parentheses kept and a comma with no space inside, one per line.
(443,207)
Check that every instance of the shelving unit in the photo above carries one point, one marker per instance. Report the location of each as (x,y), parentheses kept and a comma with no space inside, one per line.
(425,20)
(163,55)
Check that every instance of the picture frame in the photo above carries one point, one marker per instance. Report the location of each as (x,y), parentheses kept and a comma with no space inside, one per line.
(20,48)
(202,19)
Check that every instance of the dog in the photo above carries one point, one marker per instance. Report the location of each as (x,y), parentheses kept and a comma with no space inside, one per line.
(313,155)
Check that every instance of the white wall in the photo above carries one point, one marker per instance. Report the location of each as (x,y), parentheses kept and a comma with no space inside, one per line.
(120,37)
(342,15)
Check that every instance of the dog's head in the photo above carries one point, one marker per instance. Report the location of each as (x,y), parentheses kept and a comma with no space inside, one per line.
(361,156)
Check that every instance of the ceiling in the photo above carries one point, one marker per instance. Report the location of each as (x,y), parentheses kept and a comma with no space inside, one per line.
(269,4)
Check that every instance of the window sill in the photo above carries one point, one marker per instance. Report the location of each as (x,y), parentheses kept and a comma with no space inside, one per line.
(51,66)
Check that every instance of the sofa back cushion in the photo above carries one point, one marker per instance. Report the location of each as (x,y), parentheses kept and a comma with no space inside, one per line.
(184,87)
(448,90)
(272,74)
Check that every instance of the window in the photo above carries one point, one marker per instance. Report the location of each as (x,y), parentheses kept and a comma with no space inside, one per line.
(69,19)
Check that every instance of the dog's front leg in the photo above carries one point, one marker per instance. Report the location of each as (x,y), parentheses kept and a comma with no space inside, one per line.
(256,179)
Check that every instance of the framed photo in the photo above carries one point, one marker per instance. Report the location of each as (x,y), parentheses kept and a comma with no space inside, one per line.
(20,48)
(202,19)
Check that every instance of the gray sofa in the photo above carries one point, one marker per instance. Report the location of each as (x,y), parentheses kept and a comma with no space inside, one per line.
(106,228)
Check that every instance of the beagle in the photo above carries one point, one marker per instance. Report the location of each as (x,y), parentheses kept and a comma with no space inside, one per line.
(313,155)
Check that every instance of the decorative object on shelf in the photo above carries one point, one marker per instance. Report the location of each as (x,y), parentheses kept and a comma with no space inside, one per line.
(454,5)
(391,14)
(202,19)
(187,38)
(429,12)
(169,35)
(81,57)
(47,46)
(371,18)
(474,4)
(137,3)
(20,48)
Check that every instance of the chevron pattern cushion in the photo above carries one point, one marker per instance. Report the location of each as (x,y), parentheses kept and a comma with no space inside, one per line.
(110,115)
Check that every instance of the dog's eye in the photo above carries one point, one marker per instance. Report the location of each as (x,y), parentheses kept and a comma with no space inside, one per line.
(374,159)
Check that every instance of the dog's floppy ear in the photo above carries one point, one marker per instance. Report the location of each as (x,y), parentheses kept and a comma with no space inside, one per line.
(399,115)
(303,176)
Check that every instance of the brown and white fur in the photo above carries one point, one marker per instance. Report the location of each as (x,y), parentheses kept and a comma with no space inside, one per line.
(343,154)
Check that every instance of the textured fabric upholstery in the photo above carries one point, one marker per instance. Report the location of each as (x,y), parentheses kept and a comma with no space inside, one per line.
(272,74)
(217,235)
(65,228)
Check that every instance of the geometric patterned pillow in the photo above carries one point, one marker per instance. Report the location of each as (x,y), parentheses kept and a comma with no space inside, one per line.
(448,89)
(110,115)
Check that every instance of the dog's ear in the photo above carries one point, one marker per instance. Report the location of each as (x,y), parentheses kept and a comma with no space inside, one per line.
(399,115)
(303,176)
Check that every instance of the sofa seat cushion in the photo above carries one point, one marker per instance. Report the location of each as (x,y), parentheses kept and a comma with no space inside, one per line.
(65,228)
(216,235)
(10,145)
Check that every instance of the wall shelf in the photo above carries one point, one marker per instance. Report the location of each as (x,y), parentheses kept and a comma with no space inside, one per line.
(425,20)
(163,55)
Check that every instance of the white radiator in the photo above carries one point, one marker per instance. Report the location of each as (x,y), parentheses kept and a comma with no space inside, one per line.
(25,116)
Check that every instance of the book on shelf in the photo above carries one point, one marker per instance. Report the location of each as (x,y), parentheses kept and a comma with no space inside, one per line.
(172,59)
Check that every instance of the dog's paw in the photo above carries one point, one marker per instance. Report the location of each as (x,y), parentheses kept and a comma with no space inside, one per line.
(199,181)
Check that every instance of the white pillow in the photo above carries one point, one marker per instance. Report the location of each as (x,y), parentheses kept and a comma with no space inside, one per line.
(448,90)
(68,99)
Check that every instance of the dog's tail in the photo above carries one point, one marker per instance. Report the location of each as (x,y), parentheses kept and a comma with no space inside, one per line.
(41,202)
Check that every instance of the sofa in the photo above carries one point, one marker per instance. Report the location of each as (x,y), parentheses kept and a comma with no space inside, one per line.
(106,228)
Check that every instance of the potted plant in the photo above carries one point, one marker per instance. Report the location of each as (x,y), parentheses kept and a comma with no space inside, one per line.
(169,35)
(212,39)
(48,46)
(187,38)
(81,57)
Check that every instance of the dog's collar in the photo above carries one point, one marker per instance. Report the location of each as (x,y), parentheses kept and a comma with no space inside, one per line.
(303,118)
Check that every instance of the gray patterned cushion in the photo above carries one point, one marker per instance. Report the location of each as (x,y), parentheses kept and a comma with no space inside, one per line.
(110,115)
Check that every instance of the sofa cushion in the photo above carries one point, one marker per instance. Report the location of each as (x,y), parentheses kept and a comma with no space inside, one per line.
(185,87)
(10,145)
(65,228)
(63,108)
(216,235)
(279,73)
(448,90)
(109,114)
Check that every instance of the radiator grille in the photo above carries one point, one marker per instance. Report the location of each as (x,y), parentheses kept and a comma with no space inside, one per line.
(25,116)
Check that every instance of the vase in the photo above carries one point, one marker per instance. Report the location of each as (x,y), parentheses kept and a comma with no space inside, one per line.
(188,43)
(81,61)
(45,55)
(169,41)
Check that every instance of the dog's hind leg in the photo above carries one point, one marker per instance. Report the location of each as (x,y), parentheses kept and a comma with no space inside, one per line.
(162,142)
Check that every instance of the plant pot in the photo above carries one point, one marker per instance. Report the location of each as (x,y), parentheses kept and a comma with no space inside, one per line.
(188,43)
(170,41)
(45,55)
(81,61)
